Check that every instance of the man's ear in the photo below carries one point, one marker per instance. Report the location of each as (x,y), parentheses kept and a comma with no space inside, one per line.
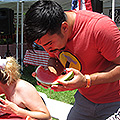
(64,27)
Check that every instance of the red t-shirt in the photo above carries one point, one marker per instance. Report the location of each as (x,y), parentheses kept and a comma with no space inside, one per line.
(95,41)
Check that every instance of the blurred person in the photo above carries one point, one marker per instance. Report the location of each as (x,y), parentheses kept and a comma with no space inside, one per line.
(22,99)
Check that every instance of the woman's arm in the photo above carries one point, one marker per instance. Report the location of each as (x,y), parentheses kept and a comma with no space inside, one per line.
(12,108)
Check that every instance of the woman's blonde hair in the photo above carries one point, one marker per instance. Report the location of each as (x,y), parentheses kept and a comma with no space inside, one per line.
(12,68)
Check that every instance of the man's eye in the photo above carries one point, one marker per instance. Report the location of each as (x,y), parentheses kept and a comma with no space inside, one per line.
(49,43)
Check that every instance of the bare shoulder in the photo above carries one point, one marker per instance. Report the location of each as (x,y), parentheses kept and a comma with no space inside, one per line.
(23,83)
(24,87)
(27,93)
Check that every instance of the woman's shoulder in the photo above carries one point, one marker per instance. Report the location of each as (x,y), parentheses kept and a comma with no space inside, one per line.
(25,90)
(23,83)
(24,86)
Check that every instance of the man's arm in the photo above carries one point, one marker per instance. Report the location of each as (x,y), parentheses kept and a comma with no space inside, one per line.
(111,74)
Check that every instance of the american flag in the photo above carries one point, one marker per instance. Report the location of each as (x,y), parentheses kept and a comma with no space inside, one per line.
(81,5)
(75,5)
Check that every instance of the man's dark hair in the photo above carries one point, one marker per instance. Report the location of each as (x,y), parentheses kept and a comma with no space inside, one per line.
(43,17)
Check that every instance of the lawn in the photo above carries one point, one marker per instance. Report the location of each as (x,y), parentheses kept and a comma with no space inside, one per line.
(66,96)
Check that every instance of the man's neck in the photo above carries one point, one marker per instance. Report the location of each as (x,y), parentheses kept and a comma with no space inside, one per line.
(71,16)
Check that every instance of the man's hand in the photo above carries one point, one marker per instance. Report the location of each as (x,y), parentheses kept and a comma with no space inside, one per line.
(78,81)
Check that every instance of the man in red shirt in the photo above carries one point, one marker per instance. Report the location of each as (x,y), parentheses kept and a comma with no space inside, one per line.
(86,43)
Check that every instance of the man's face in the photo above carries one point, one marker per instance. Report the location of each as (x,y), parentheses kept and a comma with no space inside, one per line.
(53,43)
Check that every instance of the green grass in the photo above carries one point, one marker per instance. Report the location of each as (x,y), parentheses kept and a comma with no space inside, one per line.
(66,96)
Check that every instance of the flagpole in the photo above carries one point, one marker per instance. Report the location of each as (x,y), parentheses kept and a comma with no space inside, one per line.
(22,3)
(113,10)
(17,30)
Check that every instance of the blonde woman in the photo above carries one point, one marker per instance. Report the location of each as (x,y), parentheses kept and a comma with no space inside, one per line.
(22,99)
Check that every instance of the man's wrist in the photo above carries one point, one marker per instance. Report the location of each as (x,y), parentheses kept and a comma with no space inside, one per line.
(88,81)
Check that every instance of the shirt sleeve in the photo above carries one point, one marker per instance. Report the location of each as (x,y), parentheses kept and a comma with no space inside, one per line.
(107,38)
